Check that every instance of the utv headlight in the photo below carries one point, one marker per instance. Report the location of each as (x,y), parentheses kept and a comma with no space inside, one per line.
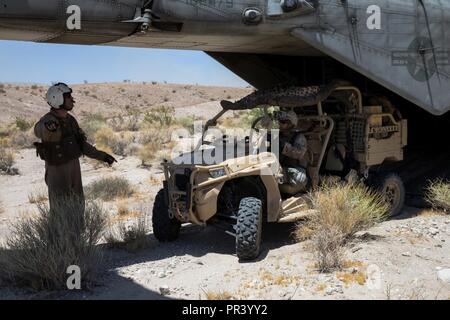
(217,173)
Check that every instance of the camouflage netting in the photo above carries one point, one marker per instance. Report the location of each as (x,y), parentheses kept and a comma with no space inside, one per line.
(289,97)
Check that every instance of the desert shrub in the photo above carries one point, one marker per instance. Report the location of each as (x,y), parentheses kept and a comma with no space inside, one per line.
(34,87)
(109,189)
(341,210)
(162,115)
(22,139)
(328,249)
(438,195)
(187,123)
(242,119)
(148,153)
(349,207)
(153,135)
(92,123)
(132,237)
(23,124)
(38,196)
(117,142)
(4,143)
(42,247)
(7,162)
(129,122)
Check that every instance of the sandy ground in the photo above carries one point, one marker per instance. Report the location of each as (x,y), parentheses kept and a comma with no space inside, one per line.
(404,258)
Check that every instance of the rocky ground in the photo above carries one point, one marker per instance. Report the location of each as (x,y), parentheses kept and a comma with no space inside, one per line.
(403,258)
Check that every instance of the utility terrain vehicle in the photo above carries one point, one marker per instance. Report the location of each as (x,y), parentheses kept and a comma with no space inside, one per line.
(241,193)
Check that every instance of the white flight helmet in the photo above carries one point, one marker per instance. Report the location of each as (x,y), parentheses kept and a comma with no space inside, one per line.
(55,95)
(290,116)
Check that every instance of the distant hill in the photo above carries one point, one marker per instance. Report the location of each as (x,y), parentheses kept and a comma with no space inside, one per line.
(28,101)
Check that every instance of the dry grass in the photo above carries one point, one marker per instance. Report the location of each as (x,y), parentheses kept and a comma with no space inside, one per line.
(18,134)
(38,196)
(328,249)
(347,207)
(22,139)
(129,122)
(218,295)
(109,189)
(131,237)
(269,279)
(320,287)
(347,264)
(123,208)
(341,211)
(152,135)
(92,123)
(148,153)
(23,124)
(349,278)
(119,143)
(41,248)
(155,181)
(438,195)
(7,160)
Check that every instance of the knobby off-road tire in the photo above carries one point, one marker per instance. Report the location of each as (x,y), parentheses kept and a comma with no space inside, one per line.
(249,228)
(393,190)
(164,228)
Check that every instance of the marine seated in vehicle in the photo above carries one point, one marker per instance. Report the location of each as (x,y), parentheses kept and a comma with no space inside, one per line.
(293,154)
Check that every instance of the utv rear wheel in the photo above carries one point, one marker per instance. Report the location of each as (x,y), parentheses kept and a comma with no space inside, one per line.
(249,228)
(392,188)
(164,228)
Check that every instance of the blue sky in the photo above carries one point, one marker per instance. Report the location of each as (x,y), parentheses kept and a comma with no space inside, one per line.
(25,62)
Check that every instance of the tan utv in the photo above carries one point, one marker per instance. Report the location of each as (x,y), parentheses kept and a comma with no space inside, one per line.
(241,193)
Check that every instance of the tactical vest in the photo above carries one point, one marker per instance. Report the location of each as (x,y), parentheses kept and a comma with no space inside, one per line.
(70,146)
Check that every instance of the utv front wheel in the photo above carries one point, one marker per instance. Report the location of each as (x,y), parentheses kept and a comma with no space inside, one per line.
(249,228)
(164,228)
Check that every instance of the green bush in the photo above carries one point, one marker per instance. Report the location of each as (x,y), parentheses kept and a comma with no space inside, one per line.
(109,189)
(438,195)
(164,116)
(23,124)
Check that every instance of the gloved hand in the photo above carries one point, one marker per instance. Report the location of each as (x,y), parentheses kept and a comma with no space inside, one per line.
(109,159)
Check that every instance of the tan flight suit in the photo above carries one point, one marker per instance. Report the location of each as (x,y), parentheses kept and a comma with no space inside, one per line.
(64,147)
